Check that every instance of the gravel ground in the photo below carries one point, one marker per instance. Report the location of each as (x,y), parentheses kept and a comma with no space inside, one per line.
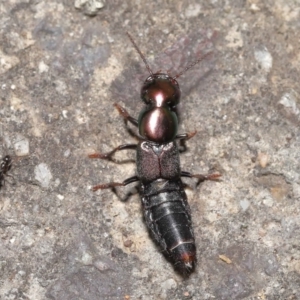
(62,66)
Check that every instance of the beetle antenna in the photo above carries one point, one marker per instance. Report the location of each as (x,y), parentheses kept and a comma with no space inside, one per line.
(192,65)
(140,53)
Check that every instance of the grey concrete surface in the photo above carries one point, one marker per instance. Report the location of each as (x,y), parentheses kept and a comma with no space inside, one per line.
(62,66)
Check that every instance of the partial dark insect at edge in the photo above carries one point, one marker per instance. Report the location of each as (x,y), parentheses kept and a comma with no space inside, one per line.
(5,166)
(164,201)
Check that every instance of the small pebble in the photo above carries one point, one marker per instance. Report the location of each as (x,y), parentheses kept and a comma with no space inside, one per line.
(21,147)
(43,174)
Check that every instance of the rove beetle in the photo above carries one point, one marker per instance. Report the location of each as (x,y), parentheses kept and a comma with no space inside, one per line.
(164,201)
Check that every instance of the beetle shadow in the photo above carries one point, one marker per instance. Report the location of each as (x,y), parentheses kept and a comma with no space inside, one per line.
(124,198)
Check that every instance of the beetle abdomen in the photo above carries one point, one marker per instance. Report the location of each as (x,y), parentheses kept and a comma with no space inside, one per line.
(168,218)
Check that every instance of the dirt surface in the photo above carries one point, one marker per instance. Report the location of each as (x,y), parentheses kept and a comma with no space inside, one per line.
(62,66)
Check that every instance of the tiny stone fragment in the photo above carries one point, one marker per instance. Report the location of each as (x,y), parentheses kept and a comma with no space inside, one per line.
(21,147)
(244,204)
(289,101)
(43,174)
(263,159)
(264,58)
(225,259)
(89,7)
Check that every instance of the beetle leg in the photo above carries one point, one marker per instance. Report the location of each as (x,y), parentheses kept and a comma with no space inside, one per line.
(201,177)
(109,155)
(115,184)
(129,118)
(183,137)
(124,113)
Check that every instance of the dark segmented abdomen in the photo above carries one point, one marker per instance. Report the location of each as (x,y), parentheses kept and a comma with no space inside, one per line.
(168,218)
